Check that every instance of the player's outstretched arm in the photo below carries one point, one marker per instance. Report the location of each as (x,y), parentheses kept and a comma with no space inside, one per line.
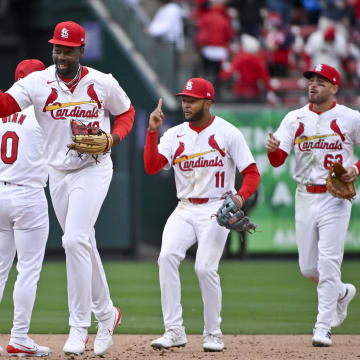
(272,143)
(251,180)
(123,124)
(153,161)
(8,105)
(156,117)
(276,155)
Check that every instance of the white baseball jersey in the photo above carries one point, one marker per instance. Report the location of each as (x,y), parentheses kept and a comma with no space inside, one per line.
(319,140)
(205,163)
(94,97)
(22,150)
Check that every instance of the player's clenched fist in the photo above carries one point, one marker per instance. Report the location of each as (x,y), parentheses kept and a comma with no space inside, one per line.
(272,143)
(156,117)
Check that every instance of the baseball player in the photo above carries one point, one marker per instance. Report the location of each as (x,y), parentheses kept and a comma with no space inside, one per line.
(320,133)
(24,221)
(78,184)
(204,151)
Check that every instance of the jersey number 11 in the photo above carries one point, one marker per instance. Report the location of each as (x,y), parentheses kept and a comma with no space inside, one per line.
(220,179)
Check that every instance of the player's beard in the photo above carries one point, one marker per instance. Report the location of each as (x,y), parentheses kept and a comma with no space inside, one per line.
(197,115)
(69,72)
(316,98)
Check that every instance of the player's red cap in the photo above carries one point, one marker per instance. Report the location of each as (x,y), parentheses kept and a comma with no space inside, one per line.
(198,88)
(26,67)
(326,71)
(68,33)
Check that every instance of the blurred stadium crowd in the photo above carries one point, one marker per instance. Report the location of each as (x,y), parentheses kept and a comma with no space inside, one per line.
(255,51)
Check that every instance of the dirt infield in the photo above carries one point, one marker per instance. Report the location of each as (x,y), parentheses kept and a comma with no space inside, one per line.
(242,347)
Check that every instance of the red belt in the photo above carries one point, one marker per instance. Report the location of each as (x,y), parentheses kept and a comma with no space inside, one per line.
(198,200)
(316,188)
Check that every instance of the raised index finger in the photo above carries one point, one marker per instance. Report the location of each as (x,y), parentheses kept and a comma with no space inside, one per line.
(159,104)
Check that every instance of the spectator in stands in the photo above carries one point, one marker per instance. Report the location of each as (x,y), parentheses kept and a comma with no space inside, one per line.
(353,63)
(278,40)
(312,10)
(212,39)
(338,13)
(134,4)
(357,14)
(201,8)
(251,76)
(282,7)
(168,24)
(249,12)
(327,47)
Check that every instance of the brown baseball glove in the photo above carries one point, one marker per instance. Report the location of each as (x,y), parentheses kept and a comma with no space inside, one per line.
(89,140)
(338,187)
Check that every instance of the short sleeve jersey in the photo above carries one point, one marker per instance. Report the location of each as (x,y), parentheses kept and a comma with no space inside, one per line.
(318,140)
(205,163)
(95,96)
(22,148)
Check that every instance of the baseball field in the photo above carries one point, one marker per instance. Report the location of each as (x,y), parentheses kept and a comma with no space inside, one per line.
(268,311)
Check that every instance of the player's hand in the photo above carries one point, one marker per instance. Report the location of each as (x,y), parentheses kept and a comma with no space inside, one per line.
(116,140)
(272,144)
(350,175)
(156,117)
(241,199)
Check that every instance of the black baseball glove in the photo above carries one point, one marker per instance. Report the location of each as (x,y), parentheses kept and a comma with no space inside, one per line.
(232,217)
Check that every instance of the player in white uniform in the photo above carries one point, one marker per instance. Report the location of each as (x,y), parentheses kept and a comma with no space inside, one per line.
(320,133)
(24,221)
(78,185)
(204,151)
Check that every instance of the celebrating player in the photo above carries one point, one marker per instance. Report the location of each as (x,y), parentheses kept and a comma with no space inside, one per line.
(78,183)
(320,133)
(24,221)
(205,151)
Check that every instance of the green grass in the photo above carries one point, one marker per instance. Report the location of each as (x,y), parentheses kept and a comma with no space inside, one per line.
(259,297)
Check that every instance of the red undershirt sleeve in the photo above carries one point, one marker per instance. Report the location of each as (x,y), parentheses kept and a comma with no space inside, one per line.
(277,157)
(8,105)
(250,182)
(358,165)
(153,161)
(123,123)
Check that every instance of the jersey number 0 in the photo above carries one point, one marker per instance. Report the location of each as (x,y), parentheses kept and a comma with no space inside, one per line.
(9,141)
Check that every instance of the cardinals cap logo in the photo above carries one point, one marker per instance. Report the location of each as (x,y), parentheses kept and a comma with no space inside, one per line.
(65,33)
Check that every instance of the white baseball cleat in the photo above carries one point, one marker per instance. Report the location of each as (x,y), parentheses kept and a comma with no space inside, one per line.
(103,340)
(213,342)
(76,342)
(342,305)
(321,337)
(174,337)
(26,348)
(1,350)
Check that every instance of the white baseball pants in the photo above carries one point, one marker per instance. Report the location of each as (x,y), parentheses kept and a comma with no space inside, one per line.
(321,225)
(24,229)
(77,197)
(186,225)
